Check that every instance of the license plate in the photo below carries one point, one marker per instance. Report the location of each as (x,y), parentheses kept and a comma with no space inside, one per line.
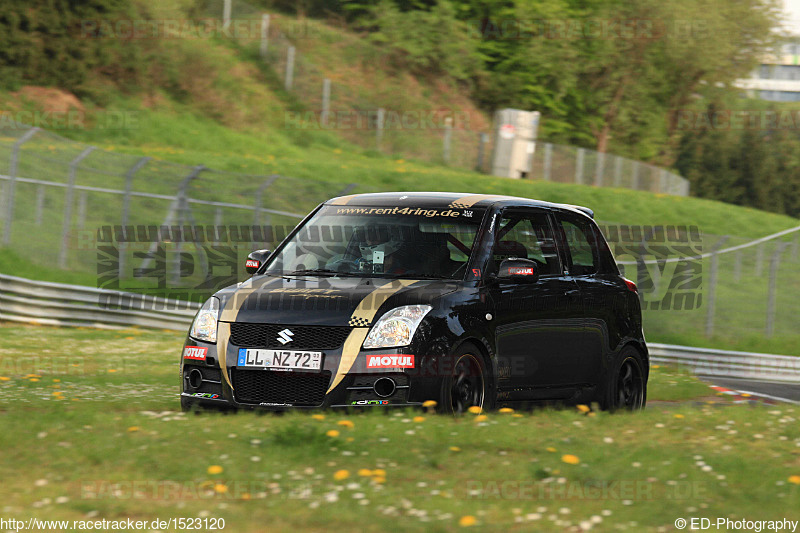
(279,359)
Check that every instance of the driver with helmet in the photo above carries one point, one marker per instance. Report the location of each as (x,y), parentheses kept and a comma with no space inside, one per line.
(381,251)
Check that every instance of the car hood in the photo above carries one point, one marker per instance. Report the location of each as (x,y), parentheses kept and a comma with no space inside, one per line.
(324,301)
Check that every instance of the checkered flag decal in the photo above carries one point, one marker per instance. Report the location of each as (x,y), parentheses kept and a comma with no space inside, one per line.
(358,322)
(458,205)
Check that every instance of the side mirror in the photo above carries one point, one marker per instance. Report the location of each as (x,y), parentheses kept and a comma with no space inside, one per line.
(255,260)
(518,270)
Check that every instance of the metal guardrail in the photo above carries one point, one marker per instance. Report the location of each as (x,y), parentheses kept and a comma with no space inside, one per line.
(730,364)
(59,304)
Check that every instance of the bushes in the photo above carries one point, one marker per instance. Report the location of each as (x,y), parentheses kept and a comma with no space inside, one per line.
(46,43)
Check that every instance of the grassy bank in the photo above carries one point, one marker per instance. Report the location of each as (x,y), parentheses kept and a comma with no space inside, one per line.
(102,408)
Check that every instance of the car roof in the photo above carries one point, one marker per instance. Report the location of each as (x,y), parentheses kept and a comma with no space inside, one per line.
(451,200)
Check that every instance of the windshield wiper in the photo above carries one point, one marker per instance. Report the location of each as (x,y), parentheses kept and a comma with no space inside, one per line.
(323,272)
(409,275)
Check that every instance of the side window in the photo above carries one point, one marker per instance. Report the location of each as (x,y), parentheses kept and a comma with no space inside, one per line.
(580,239)
(526,236)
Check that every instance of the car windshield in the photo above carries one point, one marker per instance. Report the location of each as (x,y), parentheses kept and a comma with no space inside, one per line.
(385,242)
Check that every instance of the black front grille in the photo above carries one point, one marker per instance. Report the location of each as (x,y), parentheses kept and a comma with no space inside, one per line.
(265,386)
(210,383)
(355,393)
(304,337)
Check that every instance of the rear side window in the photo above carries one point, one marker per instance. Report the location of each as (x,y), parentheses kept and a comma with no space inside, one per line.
(607,263)
(580,244)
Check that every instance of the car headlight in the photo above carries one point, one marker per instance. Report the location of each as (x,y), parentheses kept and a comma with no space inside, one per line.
(204,327)
(396,327)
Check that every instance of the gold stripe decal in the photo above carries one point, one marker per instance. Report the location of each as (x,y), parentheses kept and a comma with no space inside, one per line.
(343,200)
(223,337)
(237,299)
(465,202)
(364,314)
(228,314)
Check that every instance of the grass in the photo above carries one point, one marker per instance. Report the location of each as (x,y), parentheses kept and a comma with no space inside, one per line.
(91,431)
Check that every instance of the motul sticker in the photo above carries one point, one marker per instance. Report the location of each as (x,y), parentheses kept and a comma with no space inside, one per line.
(390,361)
(521,271)
(195,352)
(252,263)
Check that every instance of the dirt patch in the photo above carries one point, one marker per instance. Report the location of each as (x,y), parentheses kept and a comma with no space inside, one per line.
(154,100)
(50,99)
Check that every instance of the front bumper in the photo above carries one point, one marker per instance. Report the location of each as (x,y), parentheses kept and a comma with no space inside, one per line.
(203,383)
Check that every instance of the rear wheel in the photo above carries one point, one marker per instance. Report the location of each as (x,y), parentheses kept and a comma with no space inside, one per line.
(465,385)
(626,388)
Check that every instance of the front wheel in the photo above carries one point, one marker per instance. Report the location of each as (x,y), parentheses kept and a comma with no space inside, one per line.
(626,386)
(465,384)
(186,404)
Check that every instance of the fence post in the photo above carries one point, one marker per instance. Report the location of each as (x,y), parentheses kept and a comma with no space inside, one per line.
(635,180)
(482,140)
(11,184)
(289,68)
(126,208)
(217,224)
(73,170)
(448,134)
(598,169)
(182,208)
(326,101)
(548,161)
(712,289)
(379,127)
(618,170)
(662,182)
(226,14)
(264,35)
(773,281)
(579,166)
(39,204)
(759,259)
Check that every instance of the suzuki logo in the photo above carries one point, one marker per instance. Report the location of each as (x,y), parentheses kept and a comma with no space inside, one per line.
(285,336)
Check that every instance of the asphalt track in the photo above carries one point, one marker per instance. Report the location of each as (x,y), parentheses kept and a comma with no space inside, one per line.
(786,392)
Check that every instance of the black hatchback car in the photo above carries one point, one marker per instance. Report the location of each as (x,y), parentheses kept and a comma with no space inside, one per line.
(394,299)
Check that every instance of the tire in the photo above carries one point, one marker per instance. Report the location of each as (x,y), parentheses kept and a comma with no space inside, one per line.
(186,404)
(466,383)
(626,385)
